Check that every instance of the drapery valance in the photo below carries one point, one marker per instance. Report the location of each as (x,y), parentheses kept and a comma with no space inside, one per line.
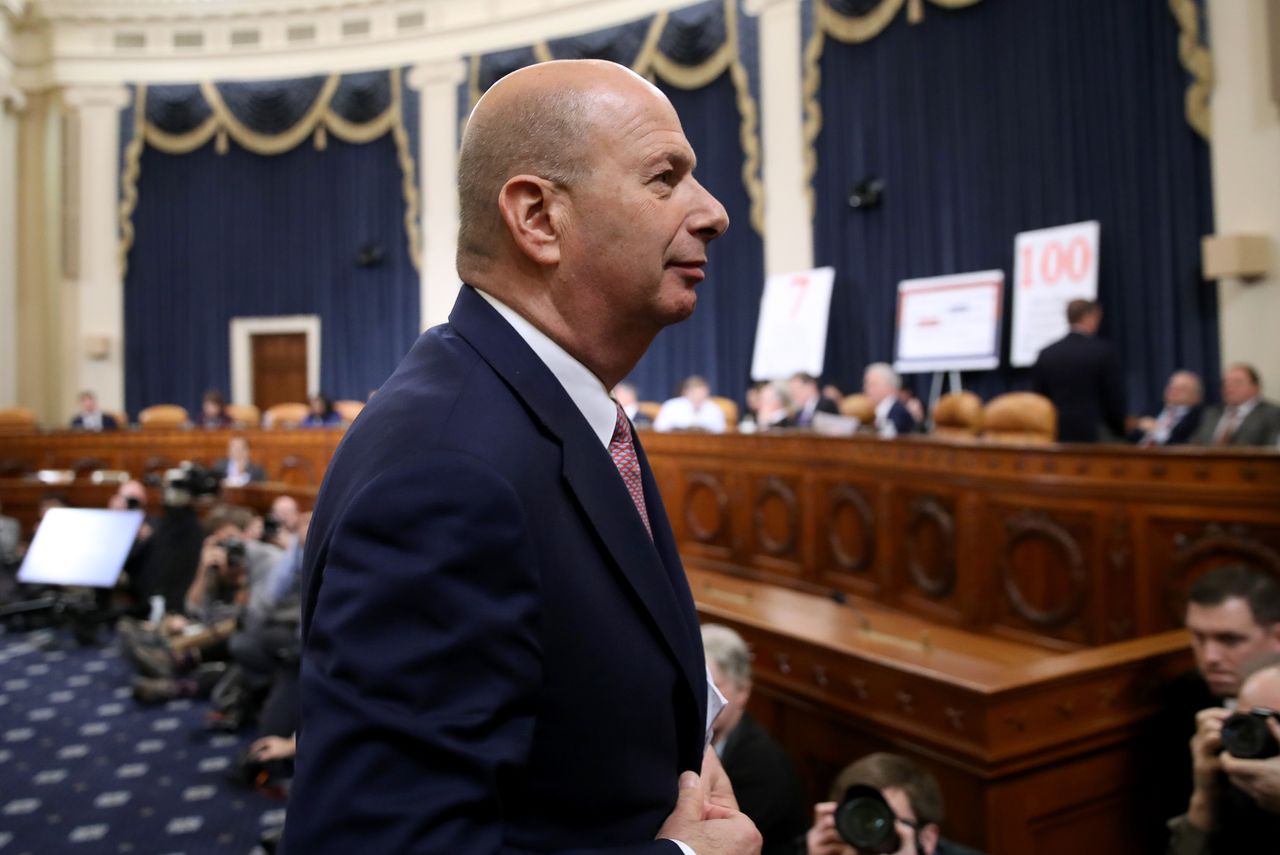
(855,21)
(688,48)
(270,118)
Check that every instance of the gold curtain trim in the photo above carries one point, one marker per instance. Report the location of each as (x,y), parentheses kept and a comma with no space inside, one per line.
(651,61)
(852,29)
(319,121)
(1197,60)
(129,177)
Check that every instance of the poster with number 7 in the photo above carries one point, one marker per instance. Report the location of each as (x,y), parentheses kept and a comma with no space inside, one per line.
(1051,267)
(792,333)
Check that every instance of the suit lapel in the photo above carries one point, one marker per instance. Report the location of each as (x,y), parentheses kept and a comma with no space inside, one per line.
(594,480)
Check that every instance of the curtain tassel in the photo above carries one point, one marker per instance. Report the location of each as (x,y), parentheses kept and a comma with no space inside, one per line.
(915,11)
(321,138)
(220,144)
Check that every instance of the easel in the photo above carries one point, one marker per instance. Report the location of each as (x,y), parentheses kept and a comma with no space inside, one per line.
(935,389)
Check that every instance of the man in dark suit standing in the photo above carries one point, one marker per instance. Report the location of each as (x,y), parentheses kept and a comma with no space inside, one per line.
(1244,417)
(1178,419)
(501,653)
(1081,375)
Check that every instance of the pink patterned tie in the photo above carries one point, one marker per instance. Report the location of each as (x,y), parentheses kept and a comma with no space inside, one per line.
(623,451)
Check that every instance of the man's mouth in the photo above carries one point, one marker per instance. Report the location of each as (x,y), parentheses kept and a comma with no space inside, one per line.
(690,268)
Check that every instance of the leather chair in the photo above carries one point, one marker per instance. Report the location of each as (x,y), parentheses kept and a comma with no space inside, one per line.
(244,415)
(1020,418)
(958,416)
(285,415)
(163,417)
(649,409)
(730,410)
(859,406)
(348,409)
(17,420)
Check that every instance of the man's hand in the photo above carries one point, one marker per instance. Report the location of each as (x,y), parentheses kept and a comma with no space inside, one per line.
(823,839)
(1206,745)
(212,555)
(1259,778)
(727,832)
(721,801)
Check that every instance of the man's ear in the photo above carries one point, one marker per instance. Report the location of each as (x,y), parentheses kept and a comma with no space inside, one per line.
(525,203)
(927,839)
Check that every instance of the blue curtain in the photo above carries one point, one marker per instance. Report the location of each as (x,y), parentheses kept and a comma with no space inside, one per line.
(1013,115)
(222,236)
(717,340)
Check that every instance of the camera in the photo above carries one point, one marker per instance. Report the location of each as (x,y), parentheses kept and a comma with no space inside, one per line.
(866,822)
(1246,735)
(188,482)
(235,549)
(270,528)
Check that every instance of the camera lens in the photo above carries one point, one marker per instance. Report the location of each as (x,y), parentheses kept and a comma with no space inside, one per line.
(1245,735)
(866,822)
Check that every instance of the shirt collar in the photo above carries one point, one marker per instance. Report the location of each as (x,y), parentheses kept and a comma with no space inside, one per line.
(584,388)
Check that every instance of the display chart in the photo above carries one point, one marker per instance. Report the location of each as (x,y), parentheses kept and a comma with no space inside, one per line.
(1051,267)
(949,323)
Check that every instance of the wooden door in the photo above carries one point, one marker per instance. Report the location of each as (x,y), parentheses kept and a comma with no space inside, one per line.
(279,369)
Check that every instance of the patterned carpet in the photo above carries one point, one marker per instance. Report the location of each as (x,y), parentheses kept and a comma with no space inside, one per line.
(83,769)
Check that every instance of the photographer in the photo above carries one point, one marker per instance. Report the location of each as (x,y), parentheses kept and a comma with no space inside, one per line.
(904,790)
(1235,801)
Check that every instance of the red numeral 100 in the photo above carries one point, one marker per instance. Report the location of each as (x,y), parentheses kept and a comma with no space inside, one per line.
(1072,260)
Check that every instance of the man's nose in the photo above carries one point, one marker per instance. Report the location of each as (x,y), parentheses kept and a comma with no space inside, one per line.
(710,219)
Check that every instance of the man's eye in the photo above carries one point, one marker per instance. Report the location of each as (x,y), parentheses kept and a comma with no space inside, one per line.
(668,177)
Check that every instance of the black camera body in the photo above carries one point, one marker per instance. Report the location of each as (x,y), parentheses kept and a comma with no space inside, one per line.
(188,482)
(236,551)
(1246,735)
(866,822)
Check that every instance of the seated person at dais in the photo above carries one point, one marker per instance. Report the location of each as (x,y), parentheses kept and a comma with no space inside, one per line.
(693,410)
(213,411)
(808,400)
(1244,417)
(764,780)
(238,468)
(321,413)
(625,395)
(91,417)
(881,384)
(1178,420)
(773,407)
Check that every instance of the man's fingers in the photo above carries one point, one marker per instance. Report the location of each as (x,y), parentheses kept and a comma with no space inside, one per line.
(689,799)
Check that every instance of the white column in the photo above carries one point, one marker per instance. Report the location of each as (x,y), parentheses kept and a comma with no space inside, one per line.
(788,238)
(1246,180)
(12,101)
(438,163)
(98,302)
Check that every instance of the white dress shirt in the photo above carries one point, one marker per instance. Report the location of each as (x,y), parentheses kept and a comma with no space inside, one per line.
(679,414)
(601,412)
(884,425)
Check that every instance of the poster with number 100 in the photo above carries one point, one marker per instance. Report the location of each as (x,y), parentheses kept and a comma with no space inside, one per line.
(792,333)
(1051,267)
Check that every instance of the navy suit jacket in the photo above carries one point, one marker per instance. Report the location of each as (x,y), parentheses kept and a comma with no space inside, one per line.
(497,657)
(1081,375)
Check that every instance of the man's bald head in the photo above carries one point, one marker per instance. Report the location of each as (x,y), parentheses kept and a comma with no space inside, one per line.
(541,120)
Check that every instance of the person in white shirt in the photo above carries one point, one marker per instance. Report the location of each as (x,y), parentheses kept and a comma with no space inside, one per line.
(625,395)
(693,410)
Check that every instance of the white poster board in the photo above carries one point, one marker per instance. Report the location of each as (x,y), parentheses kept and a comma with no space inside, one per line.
(1051,267)
(80,546)
(792,333)
(949,323)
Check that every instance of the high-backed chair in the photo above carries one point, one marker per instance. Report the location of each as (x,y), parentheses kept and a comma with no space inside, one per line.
(285,415)
(348,409)
(859,406)
(649,409)
(958,416)
(244,415)
(1022,418)
(163,417)
(730,409)
(17,420)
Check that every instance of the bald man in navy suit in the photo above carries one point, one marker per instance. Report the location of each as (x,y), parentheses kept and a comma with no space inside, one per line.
(501,652)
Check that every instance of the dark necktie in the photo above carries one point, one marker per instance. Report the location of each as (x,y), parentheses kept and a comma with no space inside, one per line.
(623,451)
